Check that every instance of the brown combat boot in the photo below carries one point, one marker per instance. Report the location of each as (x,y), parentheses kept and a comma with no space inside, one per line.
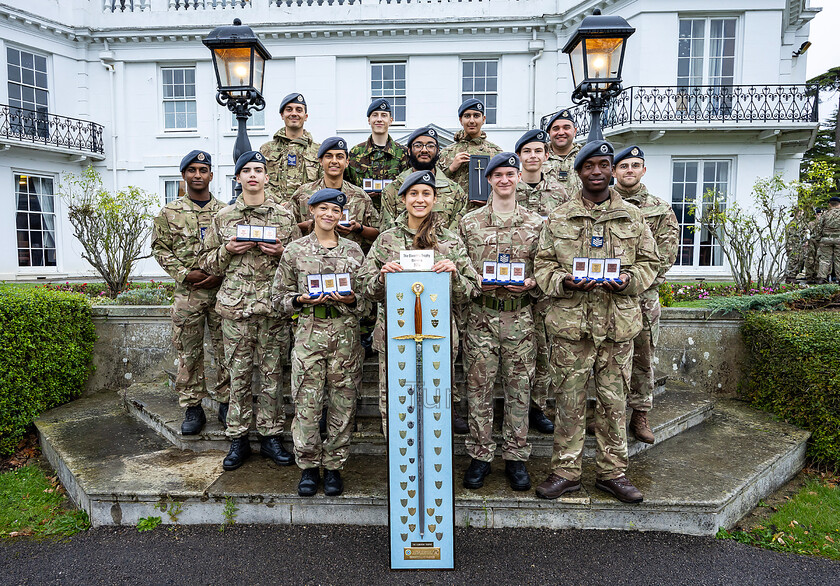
(640,428)
(621,488)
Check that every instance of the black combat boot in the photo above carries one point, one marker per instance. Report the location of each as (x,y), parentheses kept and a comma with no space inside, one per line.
(459,424)
(272,447)
(537,420)
(194,420)
(476,473)
(240,449)
(308,484)
(517,475)
(333,485)
(223,409)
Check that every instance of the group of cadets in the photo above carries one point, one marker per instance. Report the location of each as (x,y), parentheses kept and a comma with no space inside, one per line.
(813,248)
(310,209)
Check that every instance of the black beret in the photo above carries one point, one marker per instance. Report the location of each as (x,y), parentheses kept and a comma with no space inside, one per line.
(328,195)
(195,156)
(502,160)
(246,158)
(418,177)
(564,114)
(834,199)
(596,148)
(333,143)
(295,97)
(379,104)
(631,152)
(471,104)
(425,131)
(535,135)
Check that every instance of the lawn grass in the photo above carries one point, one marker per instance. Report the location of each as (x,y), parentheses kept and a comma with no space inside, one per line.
(32,503)
(692,303)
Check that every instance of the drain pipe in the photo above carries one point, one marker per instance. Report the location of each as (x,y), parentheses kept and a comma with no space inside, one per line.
(537,45)
(106,58)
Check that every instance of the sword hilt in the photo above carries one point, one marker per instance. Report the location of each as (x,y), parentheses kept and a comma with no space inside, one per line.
(417,289)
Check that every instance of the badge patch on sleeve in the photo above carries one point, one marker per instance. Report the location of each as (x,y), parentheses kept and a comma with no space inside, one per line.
(291,160)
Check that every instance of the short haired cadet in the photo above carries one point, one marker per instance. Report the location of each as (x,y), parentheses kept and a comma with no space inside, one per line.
(424,131)
(380,104)
(333,143)
(535,135)
(418,178)
(195,157)
(246,158)
(471,104)
(631,152)
(502,160)
(564,114)
(296,98)
(596,148)
(328,195)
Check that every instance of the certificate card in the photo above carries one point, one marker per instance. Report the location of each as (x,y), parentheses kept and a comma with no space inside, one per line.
(503,272)
(488,272)
(517,273)
(367,184)
(270,234)
(377,185)
(613,268)
(345,217)
(315,285)
(343,283)
(257,233)
(243,233)
(596,269)
(417,260)
(580,268)
(329,283)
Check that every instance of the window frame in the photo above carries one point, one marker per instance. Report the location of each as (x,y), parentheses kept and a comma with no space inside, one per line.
(164,100)
(737,53)
(482,95)
(41,129)
(391,98)
(171,179)
(16,173)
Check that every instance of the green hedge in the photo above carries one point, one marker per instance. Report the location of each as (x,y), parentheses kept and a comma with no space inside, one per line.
(46,355)
(794,372)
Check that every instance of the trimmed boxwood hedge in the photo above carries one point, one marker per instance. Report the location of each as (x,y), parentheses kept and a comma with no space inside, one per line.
(794,372)
(46,355)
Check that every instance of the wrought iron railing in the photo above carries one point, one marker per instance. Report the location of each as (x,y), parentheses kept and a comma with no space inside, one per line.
(668,105)
(48,129)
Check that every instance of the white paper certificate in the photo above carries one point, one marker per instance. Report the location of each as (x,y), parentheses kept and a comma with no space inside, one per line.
(580,268)
(417,260)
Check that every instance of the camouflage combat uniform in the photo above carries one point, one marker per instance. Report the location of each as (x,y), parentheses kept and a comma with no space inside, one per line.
(450,206)
(254,333)
(177,241)
(387,248)
(500,340)
(811,261)
(327,355)
(290,163)
(465,144)
(828,253)
(368,161)
(795,248)
(593,329)
(663,226)
(562,168)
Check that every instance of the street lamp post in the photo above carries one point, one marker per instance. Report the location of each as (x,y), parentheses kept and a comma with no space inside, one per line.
(239,62)
(596,52)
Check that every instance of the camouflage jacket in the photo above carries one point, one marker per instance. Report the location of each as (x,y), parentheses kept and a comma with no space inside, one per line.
(359,206)
(486,236)
(464,144)
(663,225)
(306,256)
(549,194)
(599,314)
(387,248)
(795,236)
(367,161)
(828,226)
(246,290)
(450,207)
(178,237)
(562,168)
(291,163)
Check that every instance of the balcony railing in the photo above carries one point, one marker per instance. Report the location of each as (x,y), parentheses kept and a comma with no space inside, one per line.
(34,127)
(697,105)
(144,5)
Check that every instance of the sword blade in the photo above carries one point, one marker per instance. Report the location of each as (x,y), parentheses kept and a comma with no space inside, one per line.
(421,399)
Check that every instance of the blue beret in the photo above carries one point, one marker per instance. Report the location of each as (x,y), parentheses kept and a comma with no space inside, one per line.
(535,135)
(564,114)
(328,195)
(418,177)
(333,143)
(246,158)
(425,131)
(632,151)
(834,199)
(502,160)
(295,97)
(379,104)
(471,104)
(596,148)
(193,156)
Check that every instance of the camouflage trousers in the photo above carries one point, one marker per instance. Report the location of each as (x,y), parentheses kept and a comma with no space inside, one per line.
(829,256)
(542,375)
(499,345)
(326,368)
(795,262)
(260,341)
(640,397)
(811,261)
(190,311)
(573,362)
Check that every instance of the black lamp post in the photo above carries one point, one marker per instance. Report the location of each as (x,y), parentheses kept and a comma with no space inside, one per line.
(239,61)
(596,52)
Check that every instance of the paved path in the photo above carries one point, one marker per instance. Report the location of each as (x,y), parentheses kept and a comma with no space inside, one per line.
(255,555)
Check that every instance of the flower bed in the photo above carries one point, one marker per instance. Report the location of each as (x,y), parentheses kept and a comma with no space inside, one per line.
(671,293)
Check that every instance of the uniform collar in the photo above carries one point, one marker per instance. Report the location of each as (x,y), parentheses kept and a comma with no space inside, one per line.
(305,139)
(461,136)
(616,209)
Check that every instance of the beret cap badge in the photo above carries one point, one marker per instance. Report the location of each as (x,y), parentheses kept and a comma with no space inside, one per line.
(634,152)
(427,177)
(604,148)
(432,132)
(300,98)
(512,161)
(200,156)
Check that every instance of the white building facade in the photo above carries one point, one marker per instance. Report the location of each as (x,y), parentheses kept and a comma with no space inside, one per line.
(715,94)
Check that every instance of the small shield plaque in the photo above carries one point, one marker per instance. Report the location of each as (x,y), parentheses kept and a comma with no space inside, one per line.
(432,528)
(404,519)
(411,494)
(434,312)
(401,348)
(436,347)
(402,398)
(403,451)
(437,433)
(401,416)
(412,527)
(402,435)
(399,296)
(411,511)
(403,485)
(438,502)
(438,535)
(439,518)
(436,381)
(438,484)
(430,511)
(402,384)
(438,467)
(433,297)
(437,452)
(437,418)
(401,322)
(403,468)
(401,365)
(435,323)
(435,364)
(400,311)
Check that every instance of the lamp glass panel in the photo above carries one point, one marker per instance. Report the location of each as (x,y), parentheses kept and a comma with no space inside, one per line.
(603,60)
(576,58)
(259,71)
(234,66)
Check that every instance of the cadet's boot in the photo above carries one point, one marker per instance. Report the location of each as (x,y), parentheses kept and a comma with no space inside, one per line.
(476,473)
(517,475)
(272,448)
(194,420)
(620,488)
(240,449)
(640,428)
(537,420)
(459,424)
(555,485)
(223,409)
(308,484)
(333,485)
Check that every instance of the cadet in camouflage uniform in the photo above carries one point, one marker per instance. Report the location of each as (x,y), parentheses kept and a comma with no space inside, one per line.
(177,240)
(591,325)
(423,156)
(380,157)
(828,229)
(327,356)
(416,229)
(455,159)
(795,245)
(499,338)
(254,333)
(292,154)
(364,219)
(660,218)
(811,261)
(563,150)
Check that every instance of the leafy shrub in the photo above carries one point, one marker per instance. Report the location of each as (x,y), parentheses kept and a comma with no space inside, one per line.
(144,297)
(676,292)
(794,372)
(99,291)
(46,353)
(772,302)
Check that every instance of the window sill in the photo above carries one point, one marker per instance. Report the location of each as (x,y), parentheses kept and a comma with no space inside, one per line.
(251,132)
(179,134)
